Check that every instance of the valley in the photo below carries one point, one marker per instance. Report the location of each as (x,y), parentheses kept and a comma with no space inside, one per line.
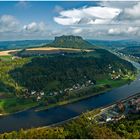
(69,81)
(69,69)
(63,76)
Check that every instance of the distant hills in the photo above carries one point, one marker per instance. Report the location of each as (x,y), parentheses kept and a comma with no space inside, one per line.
(22,44)
(71,42)
(68,42)
(115,43)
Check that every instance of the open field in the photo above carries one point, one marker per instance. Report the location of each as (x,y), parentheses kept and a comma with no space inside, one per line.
(8,52)
(50,50)
(43,50)
(56,49)
(14,104)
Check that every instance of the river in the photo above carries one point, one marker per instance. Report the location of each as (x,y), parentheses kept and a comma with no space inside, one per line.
(30,118)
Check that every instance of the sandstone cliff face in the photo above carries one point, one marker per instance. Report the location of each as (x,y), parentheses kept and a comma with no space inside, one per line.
(68,38)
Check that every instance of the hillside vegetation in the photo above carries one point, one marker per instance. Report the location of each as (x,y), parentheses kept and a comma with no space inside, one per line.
(61,77)
(56,73)
(65,78)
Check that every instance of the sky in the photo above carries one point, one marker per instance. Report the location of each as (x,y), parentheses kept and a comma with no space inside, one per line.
(103,20)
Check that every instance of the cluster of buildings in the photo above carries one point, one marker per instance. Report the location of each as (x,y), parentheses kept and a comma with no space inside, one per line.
(79,86)
(131,56)
(73,88)
(134,105)
(39,94)
(114,75)
(130,106)
(127,55)
(111,115)
(120,110)
(36,94)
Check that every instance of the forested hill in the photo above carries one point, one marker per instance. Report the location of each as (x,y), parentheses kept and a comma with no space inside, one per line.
(59,72)
(50,77)
(71,42)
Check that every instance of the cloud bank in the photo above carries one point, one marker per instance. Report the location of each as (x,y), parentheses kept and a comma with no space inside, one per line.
(87,15)
(8,23)
(35,27)
(106,20)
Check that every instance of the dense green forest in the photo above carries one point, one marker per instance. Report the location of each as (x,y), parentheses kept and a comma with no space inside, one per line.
(10,90)
(128,128)
(65,77)
(82,128)
(59,72)
(7,84)
(60,78)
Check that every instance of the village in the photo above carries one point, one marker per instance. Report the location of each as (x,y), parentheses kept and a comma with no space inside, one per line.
(122,55)
(40,94)
(120,110)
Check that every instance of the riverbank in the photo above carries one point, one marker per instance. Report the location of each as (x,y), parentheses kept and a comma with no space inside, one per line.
(96,112)
(113,85)
(18,107)
(81,124)
(122,100)
(30,118)
(109,84)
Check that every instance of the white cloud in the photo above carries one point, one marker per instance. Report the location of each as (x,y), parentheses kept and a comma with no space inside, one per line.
(35,27)
(109,19)
(11,28)
(87,15)
(133,12)
(107,12)
(124,31)
(66,21)
(117,4)
(8,23)
(130,14)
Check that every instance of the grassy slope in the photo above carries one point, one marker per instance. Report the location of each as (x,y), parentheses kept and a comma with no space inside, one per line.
(15,104)
(8,101)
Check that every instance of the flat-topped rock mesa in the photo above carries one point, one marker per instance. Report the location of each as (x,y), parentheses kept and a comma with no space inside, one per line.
(71,41)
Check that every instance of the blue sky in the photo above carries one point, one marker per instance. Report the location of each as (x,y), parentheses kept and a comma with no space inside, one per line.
(21,20)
